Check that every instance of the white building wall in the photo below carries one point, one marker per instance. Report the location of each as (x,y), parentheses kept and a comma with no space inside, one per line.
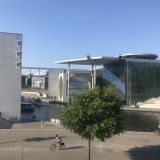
(10,79)
(54,82)
(63,92)
(53,85)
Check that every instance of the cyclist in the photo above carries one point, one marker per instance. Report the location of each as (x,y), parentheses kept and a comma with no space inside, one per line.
(57,140)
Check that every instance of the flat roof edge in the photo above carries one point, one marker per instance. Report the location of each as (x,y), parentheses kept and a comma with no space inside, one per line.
(11,33)
(82,59)
(40,68)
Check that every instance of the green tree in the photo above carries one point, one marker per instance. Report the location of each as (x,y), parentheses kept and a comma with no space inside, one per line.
(95,114)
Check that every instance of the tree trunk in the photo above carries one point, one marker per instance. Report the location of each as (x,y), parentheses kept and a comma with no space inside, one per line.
(89,141)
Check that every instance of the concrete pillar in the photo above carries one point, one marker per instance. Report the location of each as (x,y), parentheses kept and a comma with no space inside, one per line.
(92,77)
(95,73)
(26,82)
(127,87)
(68,79)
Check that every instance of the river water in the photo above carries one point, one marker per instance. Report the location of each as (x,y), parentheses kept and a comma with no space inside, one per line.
(43,111)
(137,120)
(142,120)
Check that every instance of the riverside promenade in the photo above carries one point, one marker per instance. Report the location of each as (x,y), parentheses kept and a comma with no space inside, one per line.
(31,141)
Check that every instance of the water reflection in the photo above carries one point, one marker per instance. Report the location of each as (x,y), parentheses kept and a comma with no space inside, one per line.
(44,111)
(142,119)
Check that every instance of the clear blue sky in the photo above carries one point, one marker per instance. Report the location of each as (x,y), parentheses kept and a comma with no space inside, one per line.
(56,30)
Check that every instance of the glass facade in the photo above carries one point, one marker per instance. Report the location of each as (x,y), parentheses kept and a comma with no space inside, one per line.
(35,82)
(143,81)
(76,84)
(38,82)
(133,81)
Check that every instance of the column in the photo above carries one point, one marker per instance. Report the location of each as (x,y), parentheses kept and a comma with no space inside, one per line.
(92,77)
(95,73)
(127,85)
(26,82)
(68,79)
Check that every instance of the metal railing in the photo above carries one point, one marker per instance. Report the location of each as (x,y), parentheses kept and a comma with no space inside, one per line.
(33,88)
(138,129)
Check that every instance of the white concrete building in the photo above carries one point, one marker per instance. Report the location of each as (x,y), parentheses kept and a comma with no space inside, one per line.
(78,81)
(10,79)
(53,83)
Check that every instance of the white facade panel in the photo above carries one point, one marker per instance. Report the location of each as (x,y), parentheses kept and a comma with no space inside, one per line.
(62,87)
(54,81)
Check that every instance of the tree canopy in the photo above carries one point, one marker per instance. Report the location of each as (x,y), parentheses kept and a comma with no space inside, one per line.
(94,114)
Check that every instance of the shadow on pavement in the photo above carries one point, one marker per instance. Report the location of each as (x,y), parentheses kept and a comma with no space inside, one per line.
(39,139)
(27,120)
(9,142)
(144,153)
(74,147)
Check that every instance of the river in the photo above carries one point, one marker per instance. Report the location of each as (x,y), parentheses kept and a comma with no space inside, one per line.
(137,120)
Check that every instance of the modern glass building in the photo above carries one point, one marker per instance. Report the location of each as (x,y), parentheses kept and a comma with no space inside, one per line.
(135,77)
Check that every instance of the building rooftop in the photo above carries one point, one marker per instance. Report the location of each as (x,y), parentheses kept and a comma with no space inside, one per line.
(139,56)
(91,60)
(136,57)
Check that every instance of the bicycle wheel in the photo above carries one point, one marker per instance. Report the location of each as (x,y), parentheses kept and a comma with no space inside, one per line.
(157,134)
(52,146)
(62,146)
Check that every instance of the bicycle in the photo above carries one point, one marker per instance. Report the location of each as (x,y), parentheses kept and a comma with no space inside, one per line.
(55,146)
(157,132)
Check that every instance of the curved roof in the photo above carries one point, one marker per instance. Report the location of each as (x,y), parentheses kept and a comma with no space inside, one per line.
(135,57)
(85,61)
(139,56)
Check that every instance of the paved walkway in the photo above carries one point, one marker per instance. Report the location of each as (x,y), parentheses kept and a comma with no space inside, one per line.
(43,99)
(33,140)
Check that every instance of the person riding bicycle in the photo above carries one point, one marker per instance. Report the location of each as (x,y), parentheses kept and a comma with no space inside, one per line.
(57,140)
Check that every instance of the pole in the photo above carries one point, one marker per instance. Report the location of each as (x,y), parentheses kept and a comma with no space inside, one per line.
(89,149)
(22,153)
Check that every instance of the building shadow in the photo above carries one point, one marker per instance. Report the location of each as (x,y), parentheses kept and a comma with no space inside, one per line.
(39,139)
(144,153)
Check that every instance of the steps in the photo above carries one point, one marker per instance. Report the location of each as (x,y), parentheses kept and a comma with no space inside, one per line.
(150,101)
(153,100)
(5,124)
